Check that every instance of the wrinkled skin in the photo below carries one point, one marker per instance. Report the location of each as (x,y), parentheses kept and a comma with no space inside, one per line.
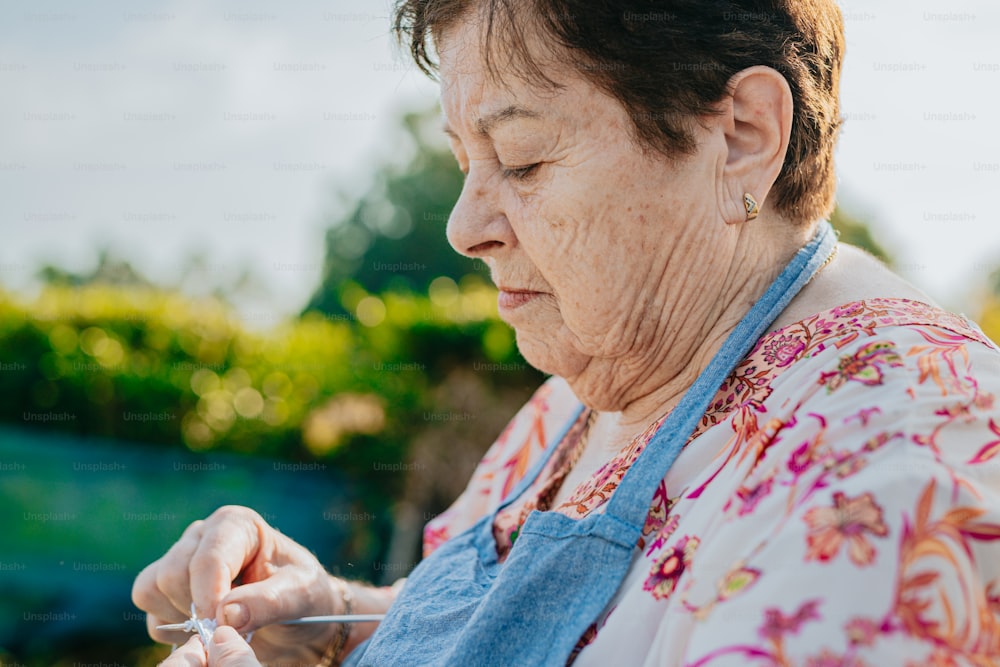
(640,264)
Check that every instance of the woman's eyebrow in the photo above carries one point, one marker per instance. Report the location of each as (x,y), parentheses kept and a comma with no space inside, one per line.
(486,124)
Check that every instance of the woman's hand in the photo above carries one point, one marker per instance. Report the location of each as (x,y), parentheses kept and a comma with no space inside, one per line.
(279,580)
(227,649)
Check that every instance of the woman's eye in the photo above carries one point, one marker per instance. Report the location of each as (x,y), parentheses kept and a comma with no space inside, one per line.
(519,173)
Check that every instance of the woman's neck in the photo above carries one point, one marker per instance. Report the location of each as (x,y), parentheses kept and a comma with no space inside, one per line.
(635,391)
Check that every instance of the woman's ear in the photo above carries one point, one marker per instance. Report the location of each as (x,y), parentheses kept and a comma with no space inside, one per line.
(757,124)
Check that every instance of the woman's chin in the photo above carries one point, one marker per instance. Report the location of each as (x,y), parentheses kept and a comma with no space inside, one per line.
(550,355)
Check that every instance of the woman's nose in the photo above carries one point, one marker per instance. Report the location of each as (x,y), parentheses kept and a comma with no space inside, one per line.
(477,225)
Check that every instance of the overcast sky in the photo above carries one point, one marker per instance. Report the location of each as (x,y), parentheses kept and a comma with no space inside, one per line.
(163,129)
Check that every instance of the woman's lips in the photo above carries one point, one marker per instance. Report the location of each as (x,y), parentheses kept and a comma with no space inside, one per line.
(510,299)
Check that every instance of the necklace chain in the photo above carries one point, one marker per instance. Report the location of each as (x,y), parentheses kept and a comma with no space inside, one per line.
(581,442)
(570,462)
(829,258)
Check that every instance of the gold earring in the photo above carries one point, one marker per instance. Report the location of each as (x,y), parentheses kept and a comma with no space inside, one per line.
(750,204)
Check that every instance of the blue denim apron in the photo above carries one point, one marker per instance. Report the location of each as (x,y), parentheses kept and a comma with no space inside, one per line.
(461,607)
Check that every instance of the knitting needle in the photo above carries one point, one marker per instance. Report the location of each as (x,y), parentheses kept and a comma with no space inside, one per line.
(343,618)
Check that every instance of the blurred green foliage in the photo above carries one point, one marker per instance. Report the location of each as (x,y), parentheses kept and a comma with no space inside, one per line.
(149,366)
(394,235)
(857,232)
(989,306)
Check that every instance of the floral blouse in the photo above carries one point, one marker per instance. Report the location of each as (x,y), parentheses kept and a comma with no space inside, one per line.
(838,505)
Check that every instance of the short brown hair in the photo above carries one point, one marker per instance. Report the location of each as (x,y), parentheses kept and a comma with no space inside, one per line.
(669,62)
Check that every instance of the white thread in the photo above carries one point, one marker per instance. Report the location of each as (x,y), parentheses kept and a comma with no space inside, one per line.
(204,627)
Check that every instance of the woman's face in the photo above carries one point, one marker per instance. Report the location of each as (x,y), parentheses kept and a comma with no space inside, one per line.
(598,248)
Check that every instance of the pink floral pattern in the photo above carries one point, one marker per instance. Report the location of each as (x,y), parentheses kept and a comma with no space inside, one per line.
(669,567)
(782,350)
(848,520)
(839,503)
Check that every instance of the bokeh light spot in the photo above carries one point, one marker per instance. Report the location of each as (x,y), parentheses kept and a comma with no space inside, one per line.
(371,311)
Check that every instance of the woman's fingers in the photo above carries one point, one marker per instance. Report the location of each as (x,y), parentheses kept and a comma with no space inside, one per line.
(227,649)
(290,592)
(231,540)
(192,654)
(199,567)
(148,597)
(280,580)
(162,588)
(171,571)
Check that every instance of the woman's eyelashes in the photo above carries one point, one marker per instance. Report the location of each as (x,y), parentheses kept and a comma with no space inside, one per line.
(517,173)
(521,173)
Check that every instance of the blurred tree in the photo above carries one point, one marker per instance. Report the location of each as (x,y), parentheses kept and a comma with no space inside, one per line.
(987,296)
(857,232)
(198,277)
(110,270)
(394,238)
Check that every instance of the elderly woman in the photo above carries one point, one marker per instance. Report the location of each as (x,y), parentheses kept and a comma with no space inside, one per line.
(757,446)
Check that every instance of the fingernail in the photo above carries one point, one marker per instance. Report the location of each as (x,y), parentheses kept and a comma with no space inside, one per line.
(236,614)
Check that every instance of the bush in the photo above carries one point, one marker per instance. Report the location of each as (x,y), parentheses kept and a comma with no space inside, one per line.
(153,366)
